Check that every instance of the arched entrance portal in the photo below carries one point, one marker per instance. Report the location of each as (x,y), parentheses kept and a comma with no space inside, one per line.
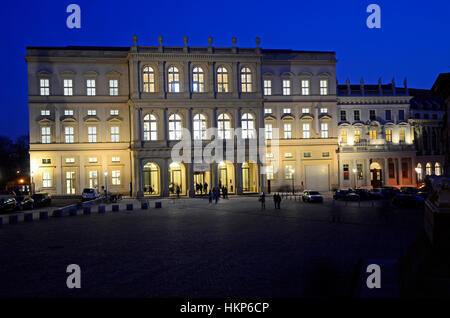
(250,177)
(151,180)
(177,178)
(226,176)
(376,179)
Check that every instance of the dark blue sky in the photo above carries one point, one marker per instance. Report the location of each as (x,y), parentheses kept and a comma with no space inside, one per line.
(414,39)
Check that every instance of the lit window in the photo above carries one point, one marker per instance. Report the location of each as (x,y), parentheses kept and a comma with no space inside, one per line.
(344,136)
(306,155)
(248,125)
(437,169)
(68,87)
(222,80)
(267,88)
(323,87)
(45,135)
(288,155)
(287,131)
(324,130)
(345,169)
(174,79)
(224,126)
(324,110)
(148,76)
(115,159)
(90,85)
(269,155)
(68,112)
(199,123)
(325,154)
(45,86)
(305,87)
(46,179)
(267,110)
(306,131)
(93,179)
(428,169)
(93,159)
(174,127)
(70,160)
(288,172)
(305,110)
(92,112)
(286,111)
(389,135)
(246,80)
(113,87)
(115,134)
(286,87)
(373,134)
(401,135)
(359,169)
(92,134)
(115,177)
(114,112)
(356,116)
(198,80)
(150,127)
(269,172)
(69,134)
(357,136)
(45,112)
(46,161)
(269,131)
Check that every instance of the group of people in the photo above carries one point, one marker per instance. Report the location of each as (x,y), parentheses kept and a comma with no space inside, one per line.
(276,200)
(214,194)
(202,189)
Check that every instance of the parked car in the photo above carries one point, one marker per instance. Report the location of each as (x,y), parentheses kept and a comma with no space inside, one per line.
(41,199)
(8,204)
(347,195)
(408,200)
(312,196)
(89,194)
(24,202)
(390,192)
(377,194)
(409,190)
(363,194)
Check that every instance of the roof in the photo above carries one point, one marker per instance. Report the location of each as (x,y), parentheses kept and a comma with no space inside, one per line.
(425,99)
(371,90)
(441,86)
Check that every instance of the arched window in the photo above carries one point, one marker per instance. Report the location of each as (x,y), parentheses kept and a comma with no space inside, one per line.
(246,80)
(173,79)
(150,127)
(198,80)
(148,78)
(428,169)
(199,127)
(248,126)
(222,80)
(224,126)
(419,172)
(437,169)
(175,127)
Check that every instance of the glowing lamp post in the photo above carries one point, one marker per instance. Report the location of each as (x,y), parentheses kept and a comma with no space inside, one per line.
(106,183)
(32,182)
(354,173)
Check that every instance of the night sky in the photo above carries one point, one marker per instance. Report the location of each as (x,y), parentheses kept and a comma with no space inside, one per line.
(414,39)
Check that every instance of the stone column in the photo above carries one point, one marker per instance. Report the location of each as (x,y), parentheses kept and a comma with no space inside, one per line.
(214,174)
(386,171)
(139,178)
(399,170)
(166,126)
(190,123)
(139,125)
(367,173)
(191,180)
(238,177)
(165,178)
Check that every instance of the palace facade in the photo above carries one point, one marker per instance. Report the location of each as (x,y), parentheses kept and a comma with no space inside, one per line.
(110,117)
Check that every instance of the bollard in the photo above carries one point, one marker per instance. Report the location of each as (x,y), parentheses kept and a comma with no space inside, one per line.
(158,205)
(13,219)
(101,209)
(87,210)
(73,212)
(28,217)
(115,208)
(144,206)
(1,221)
(43,215)
(130,207)
(57,213)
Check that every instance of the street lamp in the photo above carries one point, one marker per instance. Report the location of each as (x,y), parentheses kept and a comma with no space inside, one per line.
(106,183)
(32,182)
(354,173)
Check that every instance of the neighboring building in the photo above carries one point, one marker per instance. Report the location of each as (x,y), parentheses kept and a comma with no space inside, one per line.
(441,88)
(102,116)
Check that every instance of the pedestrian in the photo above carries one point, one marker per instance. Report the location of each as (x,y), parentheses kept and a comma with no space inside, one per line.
(275,200)
(226,192)
(216,194)
(178,191)
(210,195)
(262,199)
(279,201)
(205,188)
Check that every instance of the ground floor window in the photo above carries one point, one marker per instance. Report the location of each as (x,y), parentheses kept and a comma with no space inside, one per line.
(93,179)
(46,179)
(115,177)
(346,172)
(70,182)
(437,169)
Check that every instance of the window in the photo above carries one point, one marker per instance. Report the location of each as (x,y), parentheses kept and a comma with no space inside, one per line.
(359,171)
(356,116)
(173,79)
(68,112)
(150,127)
(224,126)
(90,84)
(115,159)
(92,134)
(401,135)
(269,155)
(401,114)
(248,126)
(305,110)
(344,136)
(45,112)
(428,169)
(417,115)
(93,179)
(175,127)
(246,80)
(70,182)
(267,110)
(289,172)
(45,86)
(324,110)
(113,87)
(115,177)
(372,114)
(324,87)
(269,172)
(287,131)
(46,179)
(325,154)
(199,127)
(357,138)
(269,132)
(306,155)
(69,135)
(68,87)
(286,110)
(91,112)
(45,135)
(148,76)
(288,155)
(346,172)
(114,133)
(268,88)
(306,131)
(372,134)
(93,160)
(222,80)
(70,160)
(114,112)
(434,116)
(388,114)
(324,130)
(305,87)
(437,169)
(46,161)
(404,169)
(198,80)
(286,87)
(389,135)
(343,115)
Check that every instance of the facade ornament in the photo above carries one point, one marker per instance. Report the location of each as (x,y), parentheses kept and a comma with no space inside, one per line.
(234,40)
(406,86)
(380,88)
(160,40)
(257,41)
(393,86)
(185,40)
(349,90)
(210,41)
(362,86)
(135,39)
